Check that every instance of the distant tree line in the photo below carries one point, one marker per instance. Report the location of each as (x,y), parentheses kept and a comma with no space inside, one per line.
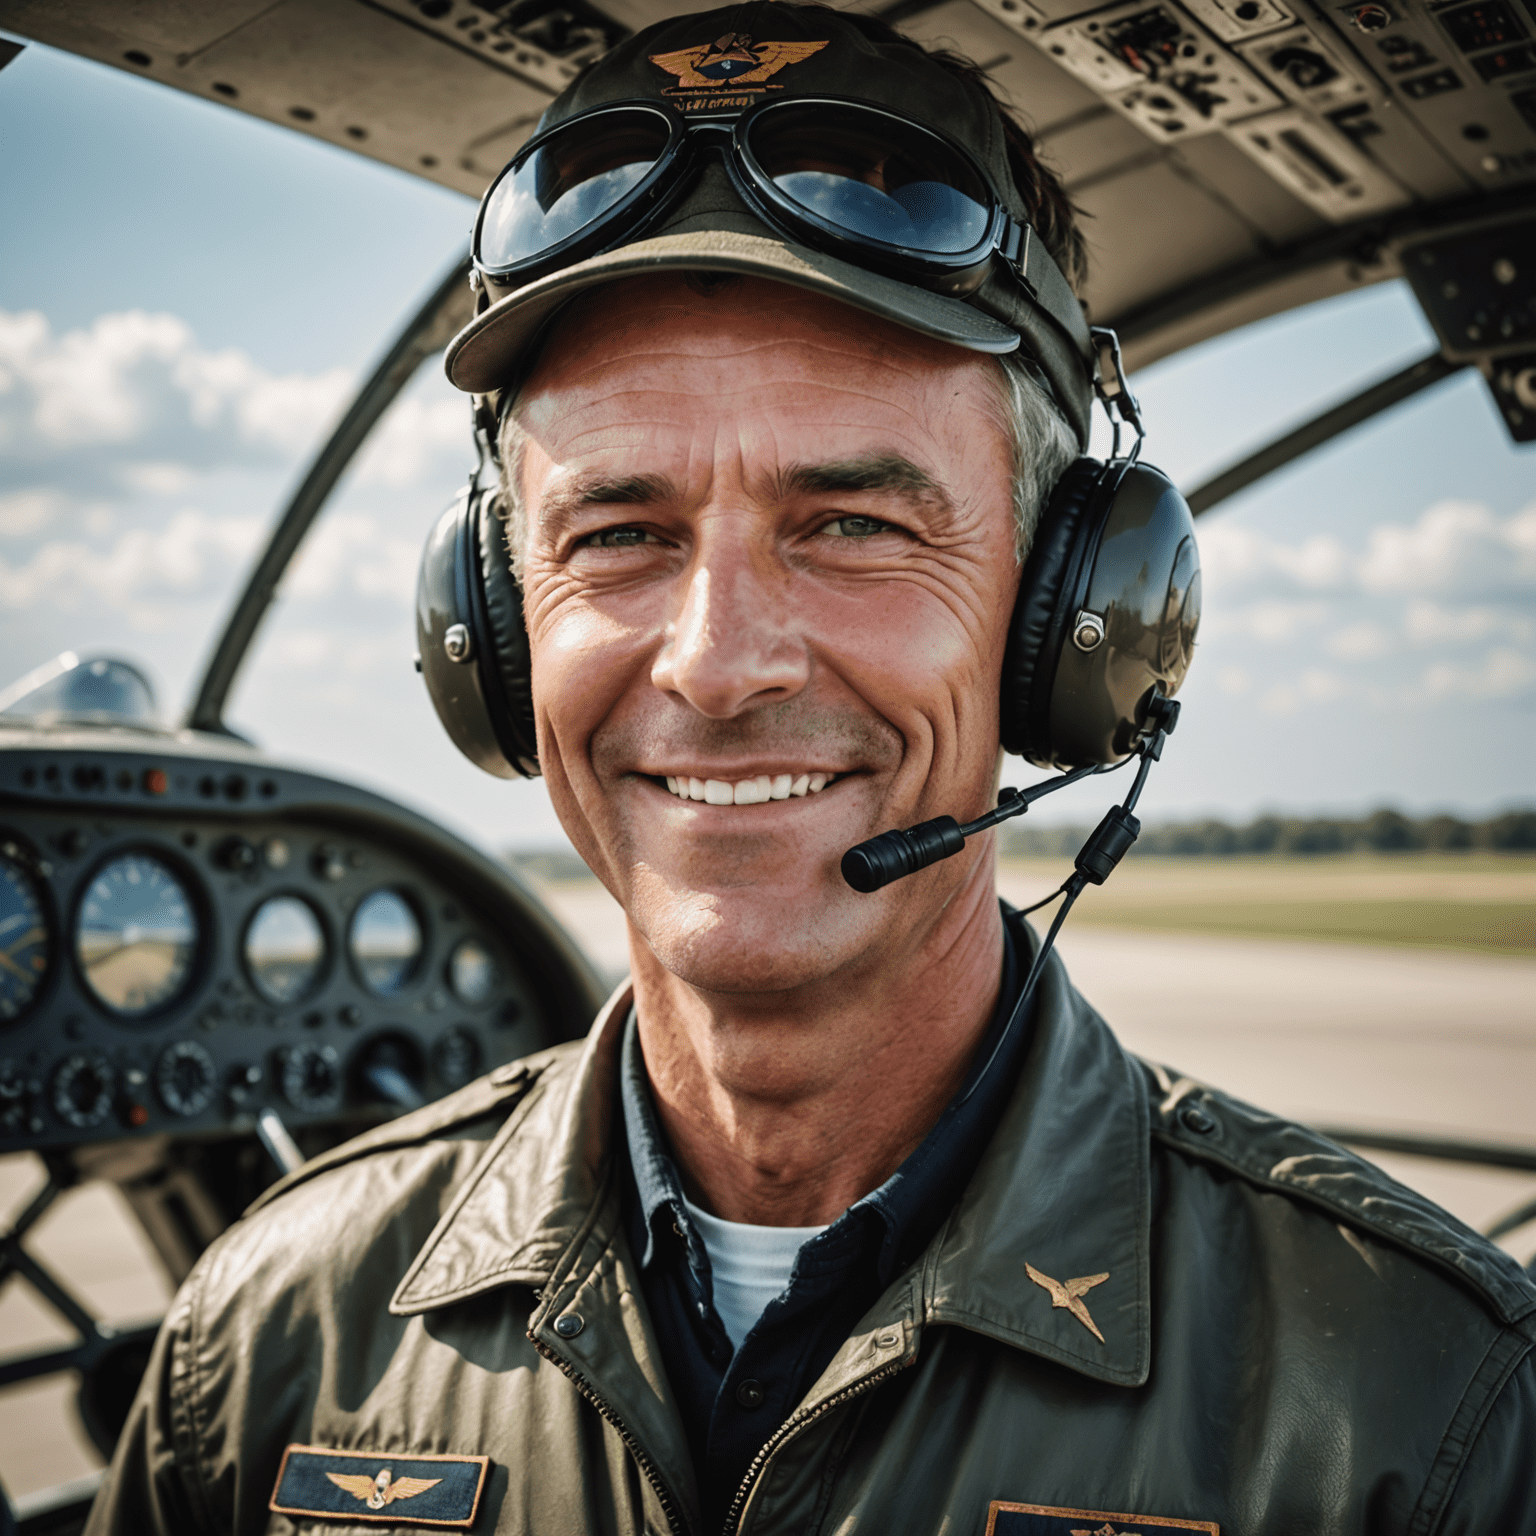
(1383,831)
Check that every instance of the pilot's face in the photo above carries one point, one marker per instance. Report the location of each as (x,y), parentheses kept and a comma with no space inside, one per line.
(770,547)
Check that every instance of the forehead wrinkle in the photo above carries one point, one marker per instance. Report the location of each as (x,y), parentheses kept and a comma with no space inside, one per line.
(632,417)
(829,360)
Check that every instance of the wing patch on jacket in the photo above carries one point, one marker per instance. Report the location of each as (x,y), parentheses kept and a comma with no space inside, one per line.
(1069,1294)
(379,1487)
(1047,1520)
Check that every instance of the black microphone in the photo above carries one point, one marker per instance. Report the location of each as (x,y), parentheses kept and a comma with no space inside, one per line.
(894,854)
(888,857)
(870,865)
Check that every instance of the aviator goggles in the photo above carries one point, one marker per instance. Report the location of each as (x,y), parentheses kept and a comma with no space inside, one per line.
(844,177)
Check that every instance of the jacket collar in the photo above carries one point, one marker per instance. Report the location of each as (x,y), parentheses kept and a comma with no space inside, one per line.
(1064,1188)
(538,1185)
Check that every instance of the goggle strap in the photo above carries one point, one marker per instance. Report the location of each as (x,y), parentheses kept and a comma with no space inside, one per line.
(1037,271)
(1014,248)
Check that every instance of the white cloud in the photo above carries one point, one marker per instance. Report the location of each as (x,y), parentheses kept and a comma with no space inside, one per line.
(134,402)
(1431,623)
(158,478)
(1452,547)
(1455,546)
(347,553)
(1234,558)
(192,556)
(403,446)
(1362,641)
(27,512)
(1269,620)
(133,376)
(1501,674)
(1234,681)
(1314,686)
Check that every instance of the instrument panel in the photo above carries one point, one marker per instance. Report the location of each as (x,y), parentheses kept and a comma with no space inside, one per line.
(190,935)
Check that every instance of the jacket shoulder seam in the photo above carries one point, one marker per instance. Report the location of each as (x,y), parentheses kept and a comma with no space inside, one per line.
(1271,1153)
(1391,1232)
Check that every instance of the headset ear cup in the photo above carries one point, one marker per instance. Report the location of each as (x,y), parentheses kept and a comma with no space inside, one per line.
(505,662)
(466,635)
(1108,608)
(1040,623)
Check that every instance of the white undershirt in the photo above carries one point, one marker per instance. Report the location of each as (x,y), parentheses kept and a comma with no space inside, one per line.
(750,1266)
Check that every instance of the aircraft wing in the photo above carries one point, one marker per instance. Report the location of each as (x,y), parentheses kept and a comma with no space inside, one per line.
(1234,157)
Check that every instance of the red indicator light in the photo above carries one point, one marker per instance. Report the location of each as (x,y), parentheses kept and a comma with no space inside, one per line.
(137,1115)
(155,781)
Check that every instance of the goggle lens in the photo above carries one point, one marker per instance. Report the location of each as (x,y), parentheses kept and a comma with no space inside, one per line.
(574,177)
(871,175)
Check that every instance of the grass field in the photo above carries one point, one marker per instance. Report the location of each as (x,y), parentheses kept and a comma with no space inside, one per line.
(1480,902)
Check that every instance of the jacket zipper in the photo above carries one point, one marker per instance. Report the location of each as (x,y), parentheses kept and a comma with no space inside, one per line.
(669,1507)
(793,1426)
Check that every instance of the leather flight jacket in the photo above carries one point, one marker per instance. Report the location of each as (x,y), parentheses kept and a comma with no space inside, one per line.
(1154,1307)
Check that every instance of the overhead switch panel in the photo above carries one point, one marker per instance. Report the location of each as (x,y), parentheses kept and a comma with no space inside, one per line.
(1160,68)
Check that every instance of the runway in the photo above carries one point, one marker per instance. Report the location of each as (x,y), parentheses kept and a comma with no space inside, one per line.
(1390,1038)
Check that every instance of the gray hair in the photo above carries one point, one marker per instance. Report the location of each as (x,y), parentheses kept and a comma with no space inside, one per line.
(1042,442)
(1042,446)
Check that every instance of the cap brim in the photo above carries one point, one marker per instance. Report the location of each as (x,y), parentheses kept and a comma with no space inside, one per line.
(488,352)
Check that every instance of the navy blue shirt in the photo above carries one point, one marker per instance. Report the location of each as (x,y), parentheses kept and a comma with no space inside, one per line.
(732,1401)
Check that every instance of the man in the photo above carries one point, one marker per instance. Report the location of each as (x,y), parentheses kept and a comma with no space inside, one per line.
(819,1230)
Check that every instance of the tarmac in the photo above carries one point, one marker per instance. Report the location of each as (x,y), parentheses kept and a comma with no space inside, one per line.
(1402,1040)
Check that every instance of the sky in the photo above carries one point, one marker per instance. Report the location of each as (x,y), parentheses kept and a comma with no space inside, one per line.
(188,296)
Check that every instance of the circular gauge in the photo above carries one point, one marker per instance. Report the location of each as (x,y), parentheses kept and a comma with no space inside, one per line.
(386,942)
(82,1089)
(137,935)
(25,943)
(284,949)
(457,1057)
(311,1078)
(472,973)
(185,1078)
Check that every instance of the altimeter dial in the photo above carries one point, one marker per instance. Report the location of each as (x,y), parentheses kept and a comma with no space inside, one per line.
(137,935)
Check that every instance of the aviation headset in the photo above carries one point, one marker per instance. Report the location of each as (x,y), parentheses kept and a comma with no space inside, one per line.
(1108,606)
(1109,601)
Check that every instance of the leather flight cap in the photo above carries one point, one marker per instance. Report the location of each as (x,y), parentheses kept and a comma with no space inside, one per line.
(713,230)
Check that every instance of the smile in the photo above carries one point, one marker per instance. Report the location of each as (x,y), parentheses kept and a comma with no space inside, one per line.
(754,791)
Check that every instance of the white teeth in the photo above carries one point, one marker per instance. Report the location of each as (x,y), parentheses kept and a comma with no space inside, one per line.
(754,791)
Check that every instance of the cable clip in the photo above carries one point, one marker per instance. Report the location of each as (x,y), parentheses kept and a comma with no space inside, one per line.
(1162,721)
(1112,386)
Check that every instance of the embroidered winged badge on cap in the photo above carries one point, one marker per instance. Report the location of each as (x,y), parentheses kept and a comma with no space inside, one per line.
(384,1489)
(732,59)
(1069,1295)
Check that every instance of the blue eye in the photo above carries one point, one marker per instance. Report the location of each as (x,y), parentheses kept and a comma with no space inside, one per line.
(619,538)
(854,527)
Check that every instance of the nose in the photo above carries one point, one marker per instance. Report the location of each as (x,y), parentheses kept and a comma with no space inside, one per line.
(730,647)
